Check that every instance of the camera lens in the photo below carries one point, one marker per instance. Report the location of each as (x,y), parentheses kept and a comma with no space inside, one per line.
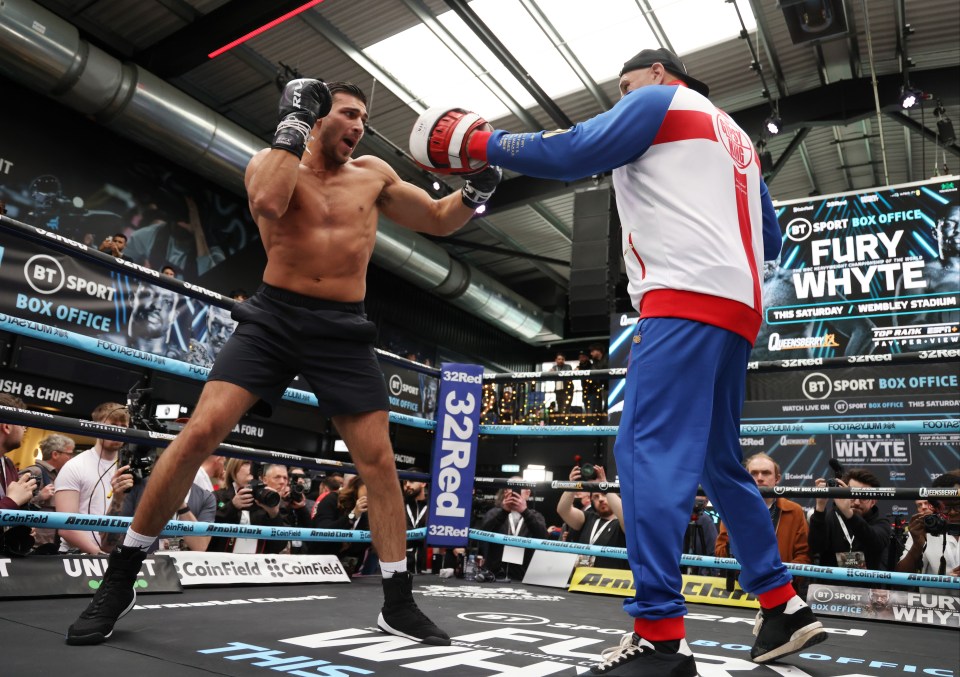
(296,493)
(934,525)
(588,472)
(264,496)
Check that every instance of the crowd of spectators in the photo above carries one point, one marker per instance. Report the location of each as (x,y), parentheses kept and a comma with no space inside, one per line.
(99,480)
(562,401)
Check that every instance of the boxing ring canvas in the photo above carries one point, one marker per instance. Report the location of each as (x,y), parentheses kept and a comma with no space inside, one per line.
(497,629)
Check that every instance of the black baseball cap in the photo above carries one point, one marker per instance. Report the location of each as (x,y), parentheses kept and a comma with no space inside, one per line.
(670,61)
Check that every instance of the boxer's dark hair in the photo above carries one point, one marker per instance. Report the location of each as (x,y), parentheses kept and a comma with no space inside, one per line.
(347,88)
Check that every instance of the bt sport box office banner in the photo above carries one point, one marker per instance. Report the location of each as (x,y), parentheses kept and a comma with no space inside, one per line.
(86,184)
(873,272)
(98,185)
(868,273)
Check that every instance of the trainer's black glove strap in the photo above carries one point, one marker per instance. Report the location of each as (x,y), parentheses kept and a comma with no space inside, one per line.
(480,186)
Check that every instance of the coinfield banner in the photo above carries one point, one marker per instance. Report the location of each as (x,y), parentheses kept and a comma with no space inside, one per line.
(454,454)
(224,568)
(59,291)
(865,272)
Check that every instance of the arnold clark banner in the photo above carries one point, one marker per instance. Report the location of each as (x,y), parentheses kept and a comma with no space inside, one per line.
(865,272)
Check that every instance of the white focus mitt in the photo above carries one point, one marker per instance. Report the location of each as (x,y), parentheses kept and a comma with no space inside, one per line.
(438,141)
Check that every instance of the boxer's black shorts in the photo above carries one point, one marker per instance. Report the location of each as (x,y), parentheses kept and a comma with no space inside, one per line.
(330,344)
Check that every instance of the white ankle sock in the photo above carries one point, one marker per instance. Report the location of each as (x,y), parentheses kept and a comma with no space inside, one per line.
(135,540)
(794,604)
(388,569)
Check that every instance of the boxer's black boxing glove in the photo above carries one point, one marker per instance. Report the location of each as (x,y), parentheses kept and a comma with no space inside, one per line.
(480,186)
(303,101)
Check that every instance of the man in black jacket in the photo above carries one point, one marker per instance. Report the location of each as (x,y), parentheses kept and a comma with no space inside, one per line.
(514,517)
(852,534)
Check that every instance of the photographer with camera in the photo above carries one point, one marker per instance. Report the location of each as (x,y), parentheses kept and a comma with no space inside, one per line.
(114,245)
(55,451)
(933,544)
(16,491)
(852,534)
(199,505)
(293,502)
(345,509)
(94,482)
(600,526)
(246,499)
(511,515)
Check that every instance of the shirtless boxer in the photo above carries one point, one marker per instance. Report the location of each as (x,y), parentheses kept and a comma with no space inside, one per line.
(317,216)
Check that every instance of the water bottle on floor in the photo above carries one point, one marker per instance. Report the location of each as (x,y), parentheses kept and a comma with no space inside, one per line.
(470,567)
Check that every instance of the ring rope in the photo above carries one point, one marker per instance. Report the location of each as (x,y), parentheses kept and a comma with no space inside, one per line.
(57,242)
(65,337)
(75,521)
(119,524)
(46,421)
(809,570)
(768,492)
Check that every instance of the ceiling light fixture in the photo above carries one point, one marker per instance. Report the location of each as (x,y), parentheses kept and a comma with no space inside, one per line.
(773,124)
(265,27)
(909,97)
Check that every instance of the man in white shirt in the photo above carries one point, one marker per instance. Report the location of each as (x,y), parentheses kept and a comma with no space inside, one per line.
(935,553)
(209,471)
(91,483)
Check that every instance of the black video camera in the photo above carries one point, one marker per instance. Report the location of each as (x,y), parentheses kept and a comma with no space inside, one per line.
(838,473)
(935,524)
(588,471)
(296,492)
(261,493)
(37,477)
(140,459)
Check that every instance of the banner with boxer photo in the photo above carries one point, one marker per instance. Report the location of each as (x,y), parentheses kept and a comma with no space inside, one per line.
(60,291)
(867,272)
(454,454)
(99,185)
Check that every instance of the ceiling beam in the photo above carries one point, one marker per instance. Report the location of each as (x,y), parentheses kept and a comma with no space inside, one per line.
(489,38)
(787,152)
(847,101)
(188,47)
(923,131)
(422,12)
(561,46)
